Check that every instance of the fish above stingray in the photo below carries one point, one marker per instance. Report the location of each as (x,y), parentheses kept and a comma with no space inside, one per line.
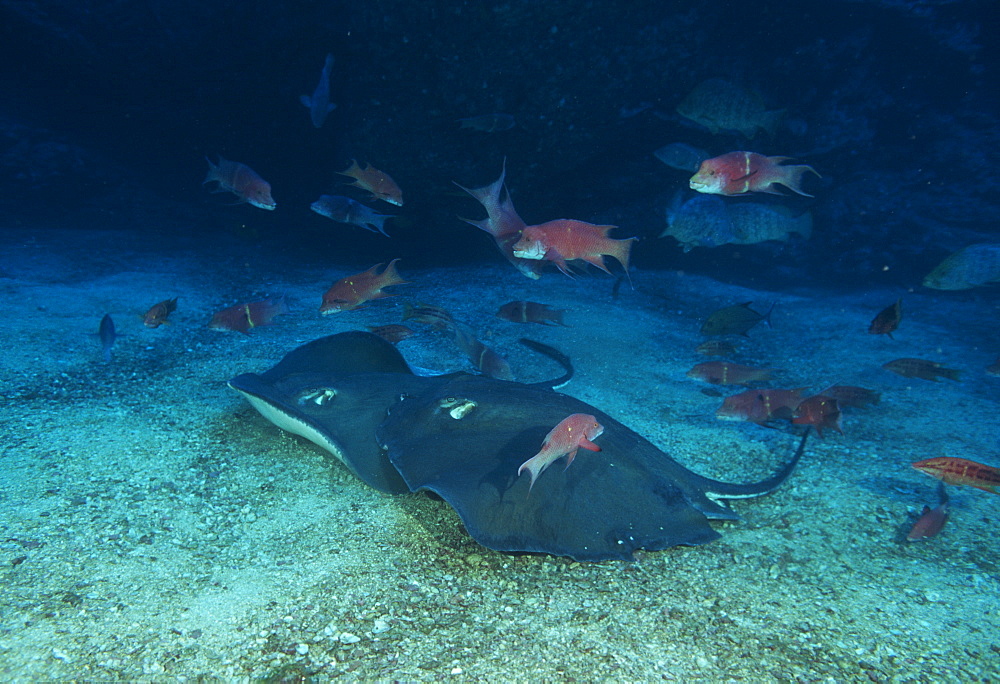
(464,437)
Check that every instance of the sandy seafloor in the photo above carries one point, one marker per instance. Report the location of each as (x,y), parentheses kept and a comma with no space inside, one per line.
(153,527)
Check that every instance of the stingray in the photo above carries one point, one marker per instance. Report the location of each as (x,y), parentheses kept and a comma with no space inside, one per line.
(463,438)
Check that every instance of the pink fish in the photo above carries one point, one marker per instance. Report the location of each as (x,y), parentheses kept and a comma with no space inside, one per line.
(240,180)
(565,439)
(931,520)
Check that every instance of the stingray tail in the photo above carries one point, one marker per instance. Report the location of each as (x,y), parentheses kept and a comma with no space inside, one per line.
(556,356)
(726,490)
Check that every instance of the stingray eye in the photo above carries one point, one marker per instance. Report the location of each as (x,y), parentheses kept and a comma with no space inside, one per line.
(457,407)
(320,396)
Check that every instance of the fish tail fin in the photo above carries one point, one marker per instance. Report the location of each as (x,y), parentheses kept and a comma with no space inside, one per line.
(213,171)
(950,373)
(378,220)
(622,250)
(767,316)
(791,177)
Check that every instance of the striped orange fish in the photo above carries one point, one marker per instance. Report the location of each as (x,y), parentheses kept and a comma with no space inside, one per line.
(960,471)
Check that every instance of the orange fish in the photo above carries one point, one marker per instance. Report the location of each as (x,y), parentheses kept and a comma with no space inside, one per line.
(855,397)
(242,317)
(531,312)
(158,313)
(959,471)
(240,180)
(564,240)
(887,320)
(729,373)
(739,173)
(819,411)
(921,368)
(354,290)
(378,183)
(931,520)
(565,439)
(760,406)
(391,333)
(503,223)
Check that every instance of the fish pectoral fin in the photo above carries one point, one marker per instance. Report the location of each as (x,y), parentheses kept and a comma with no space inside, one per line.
(306,100)
(588,445)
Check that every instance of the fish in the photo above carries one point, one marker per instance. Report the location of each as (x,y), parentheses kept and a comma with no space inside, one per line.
(821,412)
(240,180)
(931,520)
(716,348)
(487,361)
(158,313)
(488,123)
(351,292)
(848,395)
(565,439)
(741,173)
(961,471)
(531,312)
(345,210)
(738,319)
(378,183)
(243,317)
(993,368)
(681,156)
(752,223)
(106,333)
(503,223)
(435,316)
(921,368)
(391,333)
(319,104)
(887,320)
(702,221)
(729,373)
(760,406)
(563,240)
(970,267)
(720,105)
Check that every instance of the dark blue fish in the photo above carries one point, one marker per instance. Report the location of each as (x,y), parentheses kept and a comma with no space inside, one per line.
(346,210)
(319,104)
(107,334)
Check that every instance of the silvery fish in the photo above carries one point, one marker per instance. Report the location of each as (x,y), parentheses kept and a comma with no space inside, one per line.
(721,105)
(681,156)
(346,210)
(967,268)
(319,103)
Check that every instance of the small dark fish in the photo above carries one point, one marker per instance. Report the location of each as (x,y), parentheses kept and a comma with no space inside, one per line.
(488,123)
(531,312)
(848,395)
(391,333)
(735,320)
(887,320)
(921,368)
(434,316)
(485,359)
(345,210)
(243,317)
(158,313)
(931,520)
(106,332)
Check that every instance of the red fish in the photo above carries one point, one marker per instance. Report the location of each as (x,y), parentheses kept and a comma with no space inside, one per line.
(760,406)
(242,317)
(353,291)
(960,471)
(819,411)
(503,223)
(729,373)
(739,173)
(855,397)
(887,320)
(240,180)
(565,439)
(157,314)
(931,520)
(378,183)
(921,368)
(531,312)
(564,240)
